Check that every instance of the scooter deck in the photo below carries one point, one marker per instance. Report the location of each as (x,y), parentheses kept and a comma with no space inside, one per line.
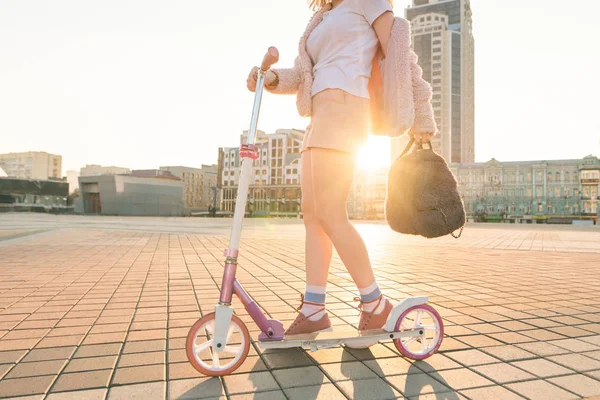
(335,335)
(322,340)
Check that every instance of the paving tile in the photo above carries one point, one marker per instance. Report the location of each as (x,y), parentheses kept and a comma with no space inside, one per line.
(542,348)
(580,384)
(540,390)
(462,378)
(25,334)
(391,366)
(9,357)
(145,346)
(94,394)
(98,338)
(91,363)
(38,368)
(59,341)
(437,362)
(95,350)
(318,392)
(336,354)
(198,388)
(253,382)
(593,354)
(17,344)
(576,362)
(25,386)
(471,357)
(417,384)
(348,370)
(4,369)
(479,341)
(287,358)
(183,370)
(304,376)
(139,374)
(144,391)
(57,353)
(508,353)
(575,345)
(503,373)
(368,389)
(510,337)
(131,360)
(377,351)
(491,393)
(82,380)
(542,368)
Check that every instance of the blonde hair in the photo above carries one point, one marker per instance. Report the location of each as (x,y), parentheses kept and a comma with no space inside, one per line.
(318,4)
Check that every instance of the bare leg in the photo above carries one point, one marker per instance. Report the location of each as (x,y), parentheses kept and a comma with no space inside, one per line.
(332,173)
(318,245)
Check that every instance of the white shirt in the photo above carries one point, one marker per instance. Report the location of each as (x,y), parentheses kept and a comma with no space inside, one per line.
(342,47)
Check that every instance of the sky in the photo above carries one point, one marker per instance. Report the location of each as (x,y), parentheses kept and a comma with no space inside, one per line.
(146,83)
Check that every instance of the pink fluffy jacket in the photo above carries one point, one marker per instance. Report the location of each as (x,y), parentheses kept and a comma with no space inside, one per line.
(400,97)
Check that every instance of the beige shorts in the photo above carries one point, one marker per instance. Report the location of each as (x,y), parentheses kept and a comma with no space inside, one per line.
(340,121)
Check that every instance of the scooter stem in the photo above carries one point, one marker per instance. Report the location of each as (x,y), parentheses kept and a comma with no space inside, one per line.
(246,170)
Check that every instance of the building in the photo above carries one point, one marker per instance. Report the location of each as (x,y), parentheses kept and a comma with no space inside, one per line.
(95,170)
(33,195)
(275,190)
(275,186)
(154,173)
(442,38)
(368,193)
(130,195)
(554,191)
(200,185)
(73,180)
(37,165)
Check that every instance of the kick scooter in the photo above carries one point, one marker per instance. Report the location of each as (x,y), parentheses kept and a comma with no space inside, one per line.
(218,343)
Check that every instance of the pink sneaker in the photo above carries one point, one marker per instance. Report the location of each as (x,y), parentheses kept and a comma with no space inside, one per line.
(303,325)
(370,320)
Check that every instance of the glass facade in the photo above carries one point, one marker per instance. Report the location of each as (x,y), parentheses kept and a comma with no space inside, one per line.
(422,46)
(456,97)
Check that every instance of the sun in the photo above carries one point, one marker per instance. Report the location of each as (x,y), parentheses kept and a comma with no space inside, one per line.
(374,154)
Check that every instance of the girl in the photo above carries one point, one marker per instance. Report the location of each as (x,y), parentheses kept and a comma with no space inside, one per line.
(332,79)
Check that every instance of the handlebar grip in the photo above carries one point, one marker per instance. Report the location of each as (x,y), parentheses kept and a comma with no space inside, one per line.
(270,58)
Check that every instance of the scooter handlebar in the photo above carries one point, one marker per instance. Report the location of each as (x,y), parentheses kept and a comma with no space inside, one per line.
(270,58)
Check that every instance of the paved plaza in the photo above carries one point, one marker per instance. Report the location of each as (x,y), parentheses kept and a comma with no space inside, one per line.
(99,308)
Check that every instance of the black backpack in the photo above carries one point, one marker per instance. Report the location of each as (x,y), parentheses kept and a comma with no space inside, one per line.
(422,195)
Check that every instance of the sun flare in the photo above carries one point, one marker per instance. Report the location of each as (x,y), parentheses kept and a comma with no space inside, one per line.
(375,153)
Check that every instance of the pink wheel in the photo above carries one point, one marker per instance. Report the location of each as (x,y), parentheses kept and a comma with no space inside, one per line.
(202,355)
(426,320)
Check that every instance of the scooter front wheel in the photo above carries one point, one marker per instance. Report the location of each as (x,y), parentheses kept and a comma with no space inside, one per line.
(202,354)
(425,319)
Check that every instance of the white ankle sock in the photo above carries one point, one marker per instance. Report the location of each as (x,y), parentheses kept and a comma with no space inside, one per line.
(369,307)
(310,308)
(315,296)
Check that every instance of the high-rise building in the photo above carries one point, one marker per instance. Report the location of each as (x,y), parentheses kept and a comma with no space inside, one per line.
(32,165)
(442,37)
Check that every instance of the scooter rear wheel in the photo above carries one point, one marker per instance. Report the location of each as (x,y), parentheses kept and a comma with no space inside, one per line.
(202,354)
(423,318)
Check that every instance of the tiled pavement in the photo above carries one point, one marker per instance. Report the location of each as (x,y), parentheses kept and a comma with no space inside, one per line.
(95,314)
